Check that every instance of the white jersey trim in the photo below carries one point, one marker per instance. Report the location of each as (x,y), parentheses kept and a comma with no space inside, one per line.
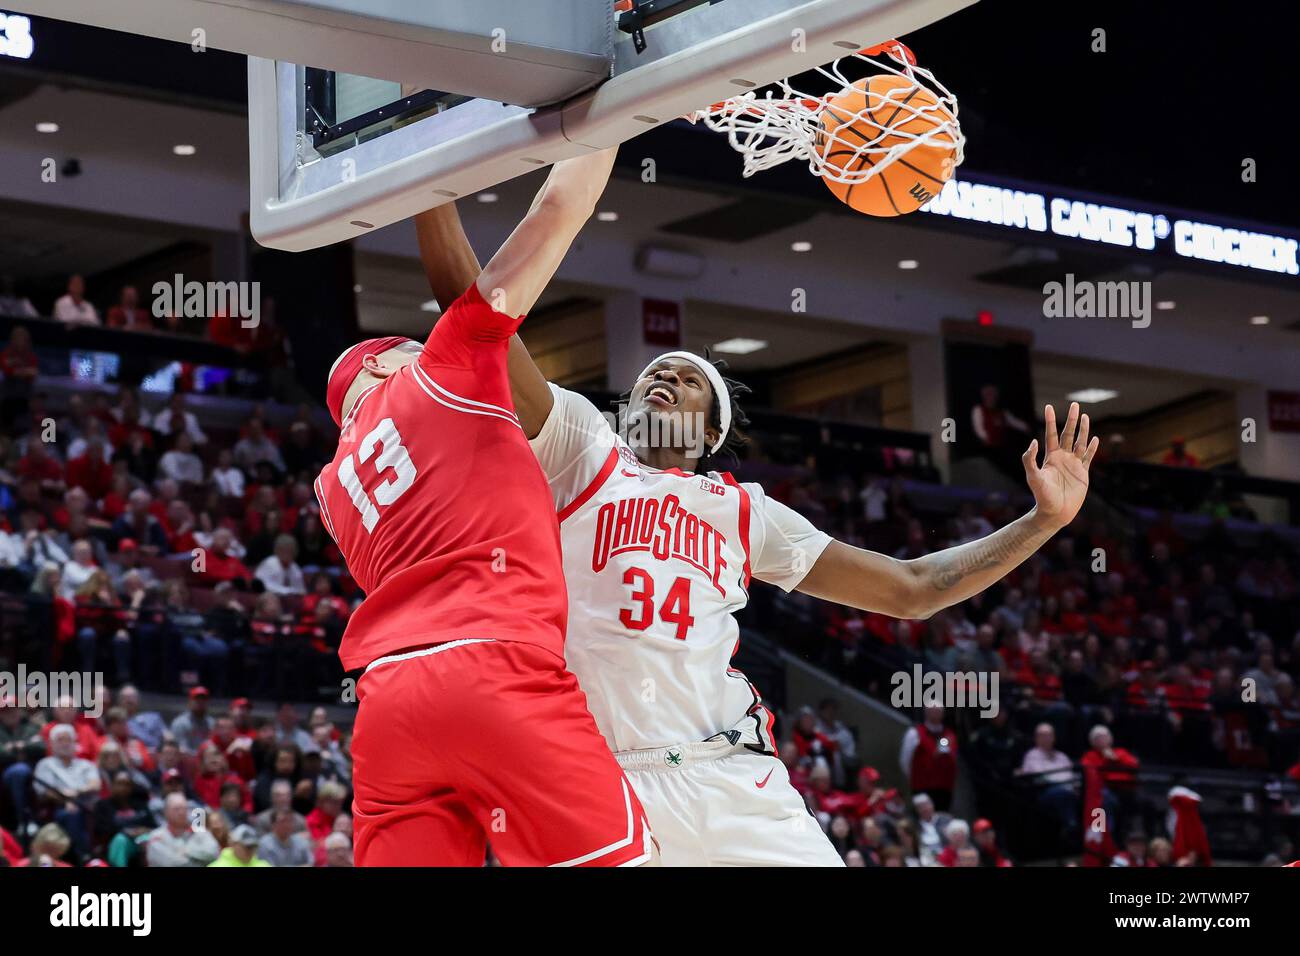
(324,509)
(614,847)
(356,406)
(447,393)
(425,652)
(461,408)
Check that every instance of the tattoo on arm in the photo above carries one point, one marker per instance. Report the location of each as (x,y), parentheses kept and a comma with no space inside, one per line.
(1010,546)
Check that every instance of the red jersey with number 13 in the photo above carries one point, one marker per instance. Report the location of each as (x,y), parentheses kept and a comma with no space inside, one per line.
(438,504)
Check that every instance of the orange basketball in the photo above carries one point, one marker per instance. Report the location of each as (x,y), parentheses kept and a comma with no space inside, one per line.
(910,181)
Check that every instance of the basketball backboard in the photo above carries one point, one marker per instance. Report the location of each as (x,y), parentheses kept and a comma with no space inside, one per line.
(313,184)
(336,151)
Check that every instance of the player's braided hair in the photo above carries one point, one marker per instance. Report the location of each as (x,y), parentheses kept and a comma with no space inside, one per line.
(736,437)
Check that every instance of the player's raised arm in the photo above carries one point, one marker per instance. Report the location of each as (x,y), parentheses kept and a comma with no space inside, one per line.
(522,267)
(920,587)
(451,266)
(516,276)
(448,259)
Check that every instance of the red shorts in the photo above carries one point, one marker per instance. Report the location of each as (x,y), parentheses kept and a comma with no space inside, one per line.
(477,741)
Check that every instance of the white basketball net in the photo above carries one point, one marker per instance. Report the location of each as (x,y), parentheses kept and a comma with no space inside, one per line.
(785,123)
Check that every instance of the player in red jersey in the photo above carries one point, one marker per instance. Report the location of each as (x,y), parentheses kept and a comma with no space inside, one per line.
(469,727)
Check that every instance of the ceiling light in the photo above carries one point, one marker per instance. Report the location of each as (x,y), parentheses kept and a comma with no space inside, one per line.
(801,246)
(1164,305)
(1259,320)
(430,306)
(607,216)
(1091,396)
(184,149)
(358,289)
(47,127)
(487,197)
(739,346)
(908,264)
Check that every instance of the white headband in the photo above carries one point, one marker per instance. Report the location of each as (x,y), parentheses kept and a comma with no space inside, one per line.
(715,379)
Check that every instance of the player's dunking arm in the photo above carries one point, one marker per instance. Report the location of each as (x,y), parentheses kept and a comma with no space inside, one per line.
(920,587)
(516,276)
(449,261)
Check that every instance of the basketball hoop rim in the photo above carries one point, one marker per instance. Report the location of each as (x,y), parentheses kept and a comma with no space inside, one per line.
(788,121)
(748,103)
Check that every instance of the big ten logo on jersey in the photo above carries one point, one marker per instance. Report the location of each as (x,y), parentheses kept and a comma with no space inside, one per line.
(392,463)
(712,487)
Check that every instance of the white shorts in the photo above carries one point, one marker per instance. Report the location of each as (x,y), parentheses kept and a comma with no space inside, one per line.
(716,804)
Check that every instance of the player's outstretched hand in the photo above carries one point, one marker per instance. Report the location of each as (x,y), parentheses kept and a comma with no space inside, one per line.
(1061,483)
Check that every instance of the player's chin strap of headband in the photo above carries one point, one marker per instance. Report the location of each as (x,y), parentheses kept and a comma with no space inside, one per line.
(715,379)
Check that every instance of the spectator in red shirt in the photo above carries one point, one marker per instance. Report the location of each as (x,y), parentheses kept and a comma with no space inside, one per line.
(76,504)
(1146,693)
(10,848)
(1184,694)
(1118,767)
(130,422)
(100,620)
(823,798)
(1071,620)
(91,471)
(1134,853)
(795,766)
(986,842)
(1179,457)
(241,716)
(809,741)
(957,838)
(18,365)
(113,504)
(1041,679)
(40,465)
(1164,532)
(50,845)
(322,592)
(133,748)
(870,798)
(220,565)
(928,758)
(128,314)
(46,589)
(230,332)
(329,804)
(88,737)
(237,747)
(180,526)
(214,773)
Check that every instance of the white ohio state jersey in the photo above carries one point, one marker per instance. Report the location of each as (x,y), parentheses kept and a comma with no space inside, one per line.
(656,564)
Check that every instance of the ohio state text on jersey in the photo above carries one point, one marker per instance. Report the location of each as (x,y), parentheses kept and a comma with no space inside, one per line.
(656,563)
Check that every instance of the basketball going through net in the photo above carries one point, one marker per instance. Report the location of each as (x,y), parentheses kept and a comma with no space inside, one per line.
(885,138)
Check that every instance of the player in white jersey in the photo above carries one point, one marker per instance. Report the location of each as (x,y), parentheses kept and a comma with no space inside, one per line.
(659,552)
